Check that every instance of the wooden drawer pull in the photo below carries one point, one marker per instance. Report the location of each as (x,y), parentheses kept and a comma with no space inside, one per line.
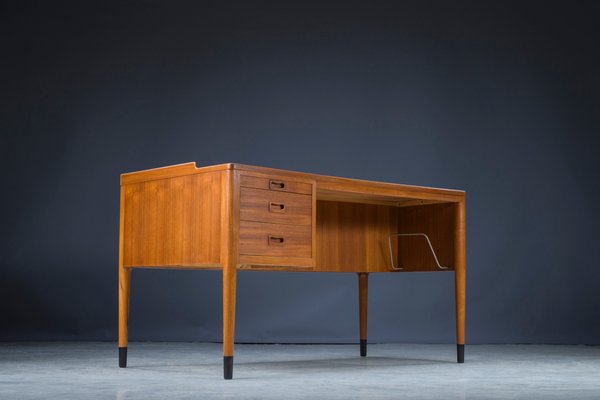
(276,207)
(276,185)
(276,240)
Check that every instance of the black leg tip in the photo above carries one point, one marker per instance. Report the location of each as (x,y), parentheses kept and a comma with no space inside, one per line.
(363,347)
(228,367)
(122,357)
(460,353)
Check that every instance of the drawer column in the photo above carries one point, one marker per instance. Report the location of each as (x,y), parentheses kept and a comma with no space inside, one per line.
(276,225)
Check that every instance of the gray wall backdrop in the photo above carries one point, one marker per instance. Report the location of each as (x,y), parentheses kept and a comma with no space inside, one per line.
(498,98)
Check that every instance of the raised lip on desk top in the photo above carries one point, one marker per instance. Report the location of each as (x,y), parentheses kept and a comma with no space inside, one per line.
(191,168)
(170,171)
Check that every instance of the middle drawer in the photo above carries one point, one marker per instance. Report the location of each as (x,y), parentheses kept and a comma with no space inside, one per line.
(275,207)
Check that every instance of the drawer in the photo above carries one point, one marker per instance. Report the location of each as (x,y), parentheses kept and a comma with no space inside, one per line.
(276,207)
(275,183)
(259,238)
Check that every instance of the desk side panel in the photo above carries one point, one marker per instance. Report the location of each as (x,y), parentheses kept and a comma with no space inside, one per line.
(173,222)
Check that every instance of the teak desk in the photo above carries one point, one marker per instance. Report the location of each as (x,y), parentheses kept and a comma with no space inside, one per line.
(235,217)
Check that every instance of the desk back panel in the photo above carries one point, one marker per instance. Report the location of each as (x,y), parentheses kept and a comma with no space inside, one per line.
(352,237)
(438,222)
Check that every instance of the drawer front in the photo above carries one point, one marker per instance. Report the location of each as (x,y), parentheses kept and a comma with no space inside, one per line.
(277,184)
(275,207)
(258,238)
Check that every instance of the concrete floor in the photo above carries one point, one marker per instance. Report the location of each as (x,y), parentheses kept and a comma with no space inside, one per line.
(194,370)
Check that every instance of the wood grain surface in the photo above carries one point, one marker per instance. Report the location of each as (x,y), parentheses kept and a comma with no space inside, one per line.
(353,237)
(275,207)
(174,221)
(259,238)
(437,221)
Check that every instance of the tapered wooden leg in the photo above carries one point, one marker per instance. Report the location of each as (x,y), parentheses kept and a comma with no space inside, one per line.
(229,281)
(229,253)
(124,290)
(460,281)
(363,289)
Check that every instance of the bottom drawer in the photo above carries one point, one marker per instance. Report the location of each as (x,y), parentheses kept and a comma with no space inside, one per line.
(260,238)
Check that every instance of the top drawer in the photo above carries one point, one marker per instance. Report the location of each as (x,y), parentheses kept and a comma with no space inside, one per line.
(275,183)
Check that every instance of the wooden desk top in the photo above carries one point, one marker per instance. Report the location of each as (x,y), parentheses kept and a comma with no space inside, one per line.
(328,187)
